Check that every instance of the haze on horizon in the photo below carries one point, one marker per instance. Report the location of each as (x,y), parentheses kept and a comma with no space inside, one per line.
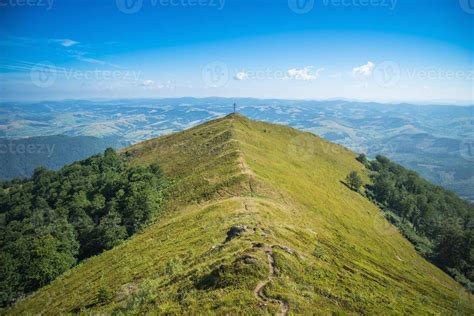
(379,50)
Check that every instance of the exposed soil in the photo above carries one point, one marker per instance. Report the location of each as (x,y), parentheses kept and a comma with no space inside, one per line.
(259,293)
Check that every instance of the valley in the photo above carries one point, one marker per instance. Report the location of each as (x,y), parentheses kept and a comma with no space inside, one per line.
(433,140)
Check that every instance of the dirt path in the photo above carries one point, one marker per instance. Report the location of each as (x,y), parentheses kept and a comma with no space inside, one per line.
(284,307)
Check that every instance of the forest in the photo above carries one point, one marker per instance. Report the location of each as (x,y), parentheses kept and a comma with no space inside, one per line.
(55,219)
(435,220)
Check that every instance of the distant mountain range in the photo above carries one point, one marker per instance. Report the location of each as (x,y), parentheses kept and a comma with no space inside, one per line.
(19,157)
(436,141)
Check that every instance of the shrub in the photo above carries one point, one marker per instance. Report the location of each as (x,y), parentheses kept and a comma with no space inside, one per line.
(103,295)
(362,158)
(354,181)
(320,253)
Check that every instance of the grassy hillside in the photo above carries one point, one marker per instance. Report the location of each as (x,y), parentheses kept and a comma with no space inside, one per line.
(304,242)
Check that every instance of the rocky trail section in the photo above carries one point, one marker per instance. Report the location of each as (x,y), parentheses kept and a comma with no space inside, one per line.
(241,230)
(259,289)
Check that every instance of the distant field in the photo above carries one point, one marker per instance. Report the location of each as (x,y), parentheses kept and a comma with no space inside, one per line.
(436,141)
(19,157)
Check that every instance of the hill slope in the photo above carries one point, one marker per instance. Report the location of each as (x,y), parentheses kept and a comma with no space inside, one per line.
(258,221)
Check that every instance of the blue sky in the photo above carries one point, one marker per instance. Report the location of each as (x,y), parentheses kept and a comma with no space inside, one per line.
(380,50)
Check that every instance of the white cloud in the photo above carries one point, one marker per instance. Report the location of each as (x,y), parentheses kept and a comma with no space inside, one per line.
(152,85)
(92,60)
(65,42)
(240,76)
(82,56)
(147,83)
(69,43)
(21,41)
(364,70)
(305,73)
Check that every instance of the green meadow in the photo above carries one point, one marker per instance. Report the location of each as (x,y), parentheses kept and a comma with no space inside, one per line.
(330,249)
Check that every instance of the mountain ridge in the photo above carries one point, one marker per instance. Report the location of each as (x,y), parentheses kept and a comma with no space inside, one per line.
(316,242)
(443,157)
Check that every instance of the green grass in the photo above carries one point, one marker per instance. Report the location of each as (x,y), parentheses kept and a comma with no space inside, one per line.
(287,184)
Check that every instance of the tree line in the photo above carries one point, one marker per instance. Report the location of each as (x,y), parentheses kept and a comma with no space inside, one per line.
(55,219)
(435,220)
